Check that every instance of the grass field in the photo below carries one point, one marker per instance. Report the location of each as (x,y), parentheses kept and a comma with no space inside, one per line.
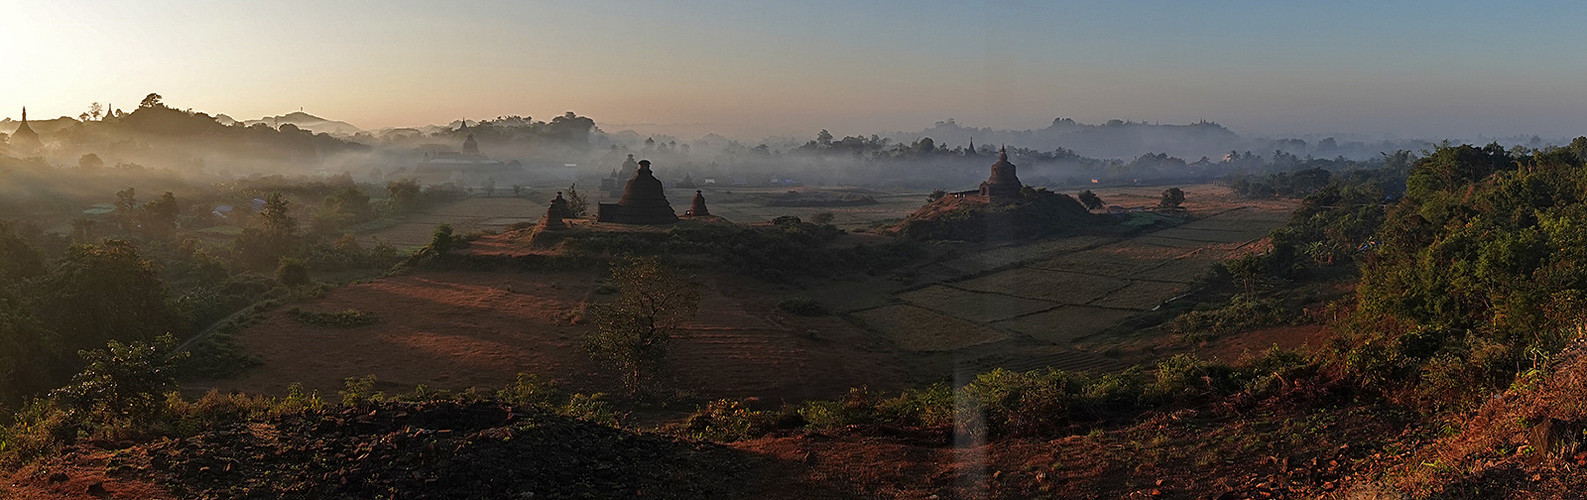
(916,329)
(1065,324)
(974,306)
(1086,283)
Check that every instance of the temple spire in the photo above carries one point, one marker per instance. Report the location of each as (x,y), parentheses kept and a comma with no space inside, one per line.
(24,114)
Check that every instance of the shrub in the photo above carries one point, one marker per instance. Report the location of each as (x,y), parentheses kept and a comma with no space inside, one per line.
(350,318)
(122,382)
(291,273)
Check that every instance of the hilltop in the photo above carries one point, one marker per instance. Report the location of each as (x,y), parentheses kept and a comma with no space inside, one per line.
(308,122)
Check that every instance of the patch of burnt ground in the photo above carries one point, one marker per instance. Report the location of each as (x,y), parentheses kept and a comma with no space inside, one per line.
(440,450)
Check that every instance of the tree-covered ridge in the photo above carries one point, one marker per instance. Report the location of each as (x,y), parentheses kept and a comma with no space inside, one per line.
(1477,274)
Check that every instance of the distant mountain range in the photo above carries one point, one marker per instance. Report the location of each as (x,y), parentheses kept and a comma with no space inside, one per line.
(303,121)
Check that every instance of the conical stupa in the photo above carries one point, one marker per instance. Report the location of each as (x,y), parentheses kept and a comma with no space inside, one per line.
(555,213)
(24,138)
(644,201)
(1003,184)
(697,207)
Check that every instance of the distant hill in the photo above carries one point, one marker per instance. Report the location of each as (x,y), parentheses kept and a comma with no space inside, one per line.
(1113,139)
(45,127)
(308,122)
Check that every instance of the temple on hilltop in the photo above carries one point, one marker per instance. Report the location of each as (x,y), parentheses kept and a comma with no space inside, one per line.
(644,201)
(24,138)
(1003,184)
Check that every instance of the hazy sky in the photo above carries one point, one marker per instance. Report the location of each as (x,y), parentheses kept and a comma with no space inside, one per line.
(1412,68)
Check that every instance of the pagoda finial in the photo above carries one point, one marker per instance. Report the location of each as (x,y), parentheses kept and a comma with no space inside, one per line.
(24,114)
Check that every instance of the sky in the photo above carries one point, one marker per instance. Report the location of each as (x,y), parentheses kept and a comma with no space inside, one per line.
(1423,69)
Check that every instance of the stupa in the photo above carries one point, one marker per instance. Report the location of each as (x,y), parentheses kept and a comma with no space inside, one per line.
(555,213)
(644,201)
(1003,184)
(24,138)
(697,207)
(628,168)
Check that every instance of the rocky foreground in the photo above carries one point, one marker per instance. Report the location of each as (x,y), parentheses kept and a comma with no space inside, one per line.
(409,450)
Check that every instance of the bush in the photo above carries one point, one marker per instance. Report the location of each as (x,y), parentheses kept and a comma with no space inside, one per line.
(350,318)
(291,273)
(122,382)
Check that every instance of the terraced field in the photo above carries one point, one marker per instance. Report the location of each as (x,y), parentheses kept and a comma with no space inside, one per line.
(1029,305)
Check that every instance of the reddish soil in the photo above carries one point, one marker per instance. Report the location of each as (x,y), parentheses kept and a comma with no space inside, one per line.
(1239,451)
(1243,346)
(455,330)
(75,474)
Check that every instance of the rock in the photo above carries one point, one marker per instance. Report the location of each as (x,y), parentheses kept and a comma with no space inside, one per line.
(59,477)
(97,488)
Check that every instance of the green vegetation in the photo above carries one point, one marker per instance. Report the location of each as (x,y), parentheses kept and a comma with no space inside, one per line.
(351,318)
(1044,403)
(632,332)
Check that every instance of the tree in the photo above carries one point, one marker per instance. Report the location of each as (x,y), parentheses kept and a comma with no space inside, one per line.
(97,291)
(1172,198)
(632,332)
(90,161)
(351,201)
(159,216)
(83,230)
(127,209)
(404,194)
(18,259)
(490,187)
(269,236)
(152,101)
(292,273)
(277,217)
(1090,200)
(122,382)
(577,206)
(442,240)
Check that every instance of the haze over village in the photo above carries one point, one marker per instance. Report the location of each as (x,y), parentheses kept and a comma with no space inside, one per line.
(819,250)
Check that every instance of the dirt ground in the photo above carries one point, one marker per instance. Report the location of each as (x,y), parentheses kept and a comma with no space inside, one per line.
(455,330)
(466,216)
(1026,305)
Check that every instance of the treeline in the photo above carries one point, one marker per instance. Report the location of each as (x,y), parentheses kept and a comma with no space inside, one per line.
(1474,278)
(141,270)
(160,134)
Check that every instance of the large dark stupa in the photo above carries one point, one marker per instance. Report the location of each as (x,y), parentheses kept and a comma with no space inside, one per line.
(644,201)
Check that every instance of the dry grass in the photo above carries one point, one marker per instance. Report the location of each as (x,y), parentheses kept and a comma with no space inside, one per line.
(974,306)
(1055,286)
(1142,295)
(1065,324)
(917,329)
